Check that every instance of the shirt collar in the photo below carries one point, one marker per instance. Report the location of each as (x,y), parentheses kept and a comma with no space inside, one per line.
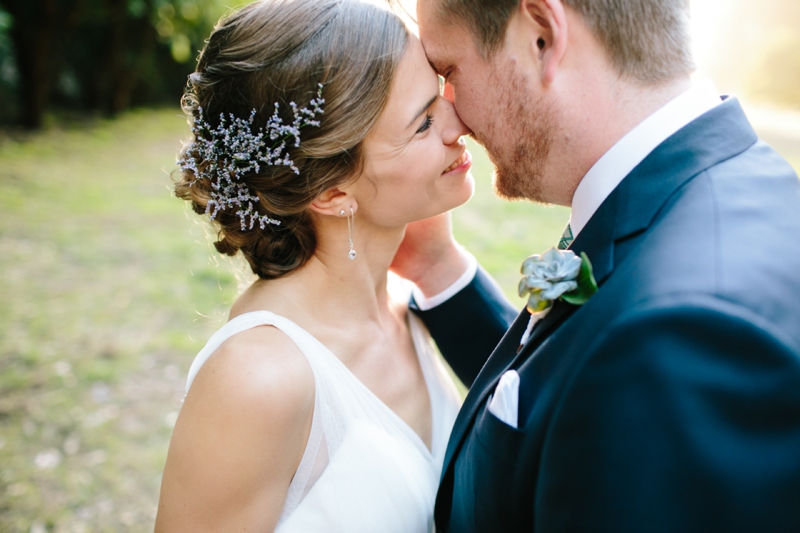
(631,149)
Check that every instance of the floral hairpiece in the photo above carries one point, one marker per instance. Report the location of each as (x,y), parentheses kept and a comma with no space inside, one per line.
(232,150)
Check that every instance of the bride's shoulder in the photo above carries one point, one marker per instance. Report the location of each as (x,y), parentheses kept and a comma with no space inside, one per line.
(258,368)
(244,425)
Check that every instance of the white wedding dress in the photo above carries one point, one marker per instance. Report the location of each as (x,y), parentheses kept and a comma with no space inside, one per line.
(364,469)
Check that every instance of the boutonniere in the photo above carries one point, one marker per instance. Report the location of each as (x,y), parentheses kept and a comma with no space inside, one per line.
(554,275)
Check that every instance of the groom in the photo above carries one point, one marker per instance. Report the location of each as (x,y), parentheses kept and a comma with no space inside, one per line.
(670,401)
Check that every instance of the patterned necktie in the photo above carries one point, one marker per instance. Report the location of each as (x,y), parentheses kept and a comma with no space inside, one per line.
(566,238)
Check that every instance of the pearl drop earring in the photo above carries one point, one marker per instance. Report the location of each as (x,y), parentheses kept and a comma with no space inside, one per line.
(350,230)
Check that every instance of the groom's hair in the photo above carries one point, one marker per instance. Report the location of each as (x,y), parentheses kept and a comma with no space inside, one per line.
(647,40)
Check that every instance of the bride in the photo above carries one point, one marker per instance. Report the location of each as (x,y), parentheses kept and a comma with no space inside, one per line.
(319,133)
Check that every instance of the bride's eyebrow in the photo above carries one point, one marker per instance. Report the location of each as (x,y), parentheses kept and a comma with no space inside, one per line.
(421,111)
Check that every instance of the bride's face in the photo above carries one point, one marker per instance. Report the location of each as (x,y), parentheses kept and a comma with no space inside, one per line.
(416,162)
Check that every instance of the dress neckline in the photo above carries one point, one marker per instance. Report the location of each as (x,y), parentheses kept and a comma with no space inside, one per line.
(426,373)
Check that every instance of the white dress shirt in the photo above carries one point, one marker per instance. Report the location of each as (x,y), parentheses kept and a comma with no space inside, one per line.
(612,168)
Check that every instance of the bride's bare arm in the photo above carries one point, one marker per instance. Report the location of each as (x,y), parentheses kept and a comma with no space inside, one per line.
(239,438)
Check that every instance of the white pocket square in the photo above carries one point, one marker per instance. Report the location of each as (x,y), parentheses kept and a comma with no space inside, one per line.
(504,403)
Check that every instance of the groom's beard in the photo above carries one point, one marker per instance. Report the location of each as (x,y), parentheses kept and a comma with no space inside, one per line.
(519,139)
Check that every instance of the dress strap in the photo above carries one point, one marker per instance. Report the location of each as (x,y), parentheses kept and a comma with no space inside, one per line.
(238,324)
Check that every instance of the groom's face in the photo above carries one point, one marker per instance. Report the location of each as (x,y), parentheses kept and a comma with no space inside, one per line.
(497,100)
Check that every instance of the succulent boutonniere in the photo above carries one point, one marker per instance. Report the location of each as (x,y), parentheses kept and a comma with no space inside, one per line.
(556,274)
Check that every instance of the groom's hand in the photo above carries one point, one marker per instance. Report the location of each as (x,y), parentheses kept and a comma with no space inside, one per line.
(429,256)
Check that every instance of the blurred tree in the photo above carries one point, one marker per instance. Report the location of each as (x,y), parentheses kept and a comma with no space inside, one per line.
(38,30)
(102,54)
(8,69)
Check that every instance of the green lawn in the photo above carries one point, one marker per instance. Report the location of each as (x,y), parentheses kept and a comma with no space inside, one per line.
(109,288)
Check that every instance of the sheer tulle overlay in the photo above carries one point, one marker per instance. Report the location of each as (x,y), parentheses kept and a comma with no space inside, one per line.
(364,469)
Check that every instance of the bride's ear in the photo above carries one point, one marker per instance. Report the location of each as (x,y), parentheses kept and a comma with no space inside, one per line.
(334,202)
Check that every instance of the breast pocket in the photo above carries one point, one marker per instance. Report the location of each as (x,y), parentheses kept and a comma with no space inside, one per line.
(501,488)
(498,439)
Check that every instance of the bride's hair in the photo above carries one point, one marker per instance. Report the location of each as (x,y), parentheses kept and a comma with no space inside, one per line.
(279,51)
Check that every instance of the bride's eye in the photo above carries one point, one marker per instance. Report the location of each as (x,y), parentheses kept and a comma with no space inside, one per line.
(426,124)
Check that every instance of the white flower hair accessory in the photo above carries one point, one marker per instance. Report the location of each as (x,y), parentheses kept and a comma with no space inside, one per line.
(232,150)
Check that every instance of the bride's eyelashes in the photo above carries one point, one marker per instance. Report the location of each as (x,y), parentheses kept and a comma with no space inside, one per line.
(426,124)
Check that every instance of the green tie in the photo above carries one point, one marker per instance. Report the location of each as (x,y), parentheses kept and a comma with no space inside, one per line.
(566,238)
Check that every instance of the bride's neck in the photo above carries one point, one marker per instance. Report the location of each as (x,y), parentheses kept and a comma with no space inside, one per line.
(358,284)
(331,288)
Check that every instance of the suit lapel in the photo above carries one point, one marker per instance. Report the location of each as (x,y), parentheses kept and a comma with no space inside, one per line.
(717,135)
(594,239)
(501,356)
(598,243)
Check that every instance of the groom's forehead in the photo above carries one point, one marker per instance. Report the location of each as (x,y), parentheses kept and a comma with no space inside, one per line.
(434,17)
(441,35)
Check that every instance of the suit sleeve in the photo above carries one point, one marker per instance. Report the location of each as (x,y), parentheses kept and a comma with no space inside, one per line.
(468,326)
(684,419)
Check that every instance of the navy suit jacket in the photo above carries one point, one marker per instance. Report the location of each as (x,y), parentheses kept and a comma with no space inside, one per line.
(671,400)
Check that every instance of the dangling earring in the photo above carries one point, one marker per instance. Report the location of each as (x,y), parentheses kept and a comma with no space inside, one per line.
(350,228)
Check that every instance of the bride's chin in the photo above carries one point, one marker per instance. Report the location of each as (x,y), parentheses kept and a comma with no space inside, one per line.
(455,200)
(466,191)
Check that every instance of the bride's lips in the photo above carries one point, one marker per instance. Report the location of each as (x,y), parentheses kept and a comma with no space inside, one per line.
(461,164)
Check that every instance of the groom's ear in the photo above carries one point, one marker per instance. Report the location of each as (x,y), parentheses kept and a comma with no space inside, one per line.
(545,29)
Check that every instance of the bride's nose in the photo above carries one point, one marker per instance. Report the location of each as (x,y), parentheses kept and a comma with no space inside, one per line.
(454,128)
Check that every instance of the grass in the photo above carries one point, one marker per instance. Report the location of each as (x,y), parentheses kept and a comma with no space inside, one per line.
(109,288)
(107,294)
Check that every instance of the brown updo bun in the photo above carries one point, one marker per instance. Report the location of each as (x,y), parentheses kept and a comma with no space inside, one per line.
(279,51)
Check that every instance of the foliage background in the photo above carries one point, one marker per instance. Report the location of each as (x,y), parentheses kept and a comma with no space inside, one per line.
(97,55)
(109,284)
(105,56)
